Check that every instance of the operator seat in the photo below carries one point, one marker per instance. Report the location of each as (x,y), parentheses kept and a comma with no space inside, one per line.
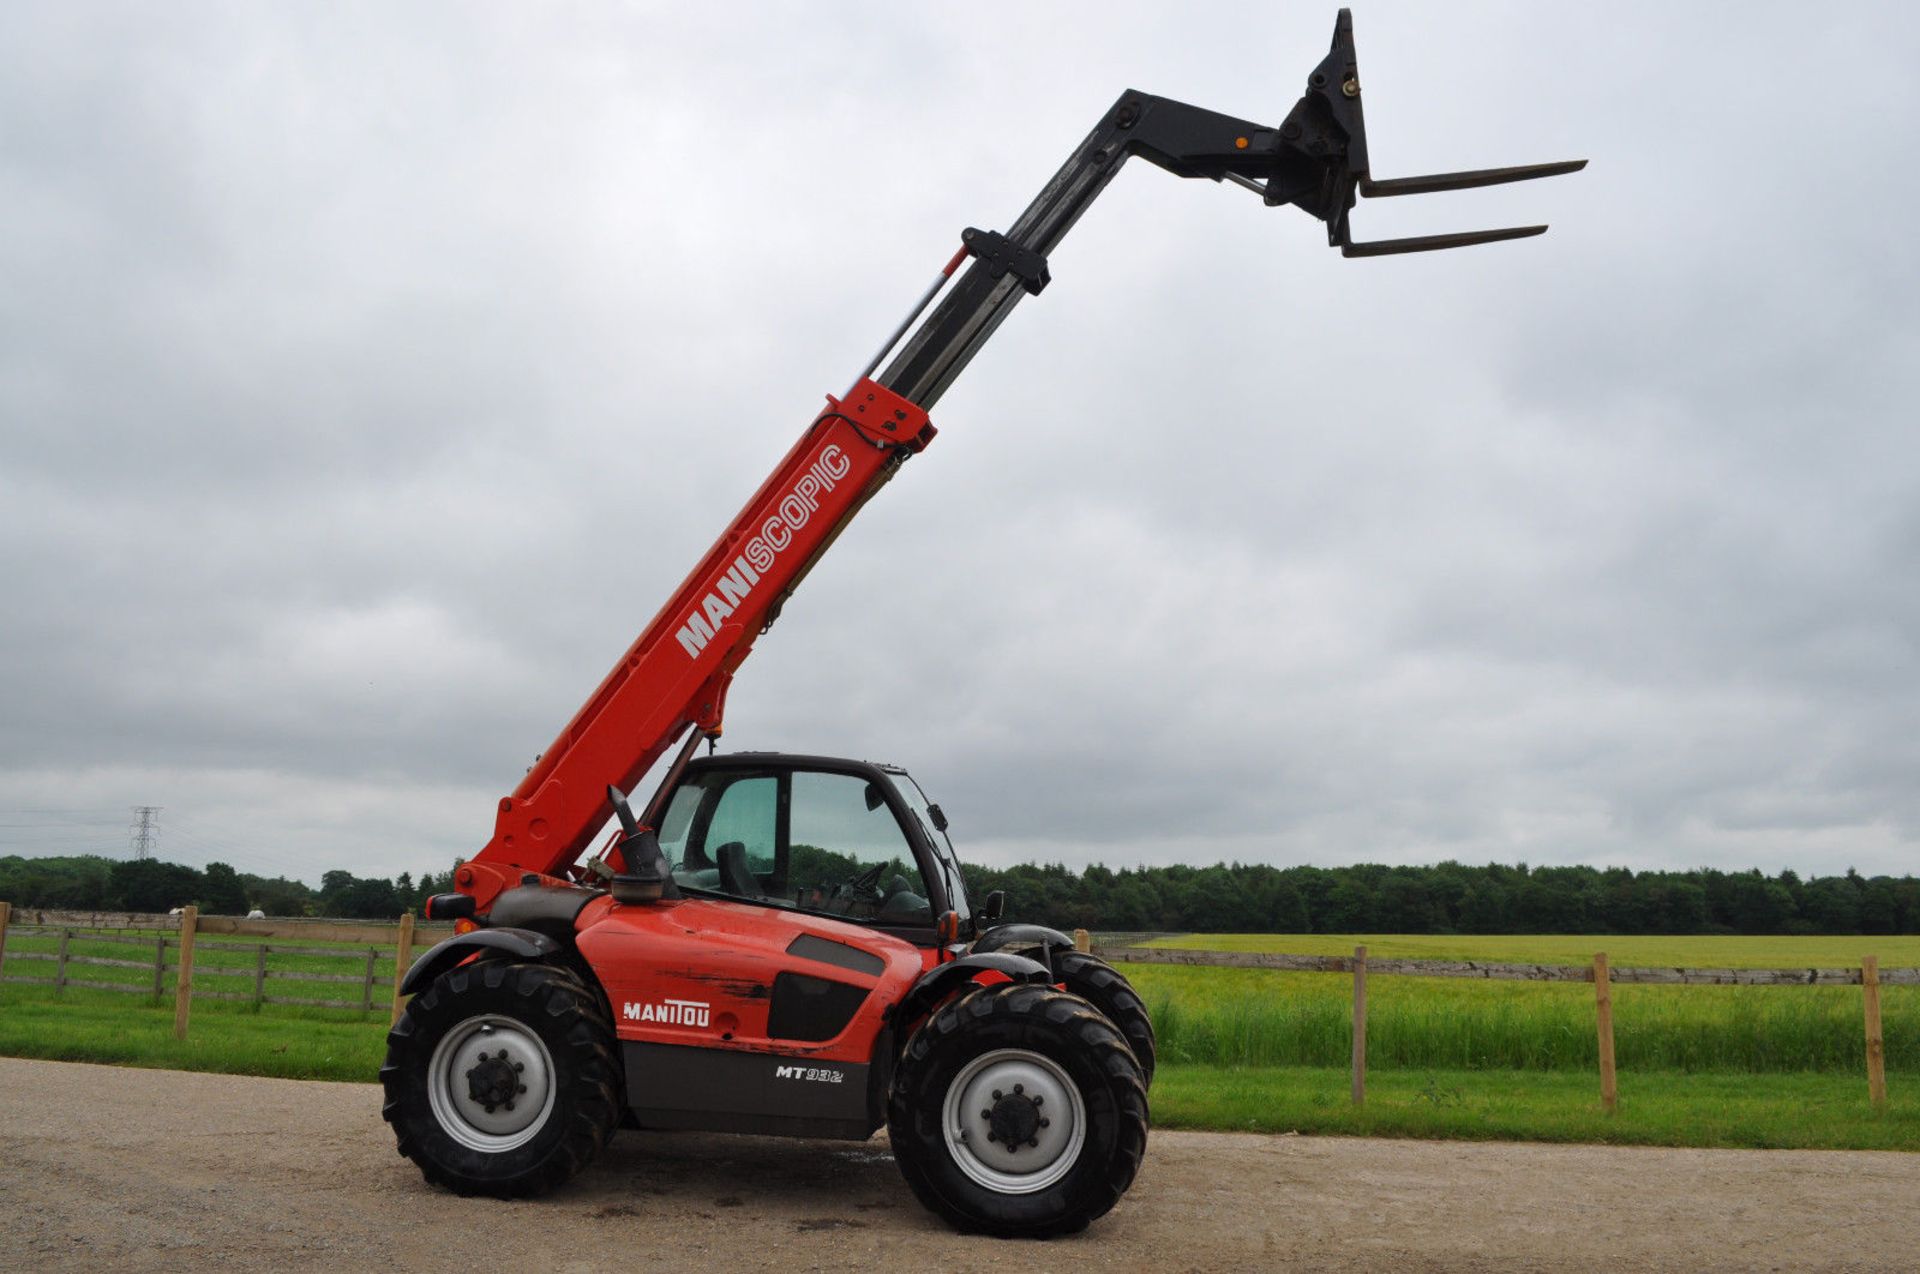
(734,876)
(902,905)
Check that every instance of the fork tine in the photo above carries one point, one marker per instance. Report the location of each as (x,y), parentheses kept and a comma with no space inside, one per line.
(1435,182)
(1437,242)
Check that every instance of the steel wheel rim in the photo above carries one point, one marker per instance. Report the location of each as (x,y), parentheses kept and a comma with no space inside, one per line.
(464,1116)
(965,1124)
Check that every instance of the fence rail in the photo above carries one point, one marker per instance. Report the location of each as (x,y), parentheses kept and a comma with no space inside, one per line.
(1869,977)
(384,951)
(1653,974)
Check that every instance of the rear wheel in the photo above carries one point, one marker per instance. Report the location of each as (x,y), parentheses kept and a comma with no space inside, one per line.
(1018,1111)
(1107,989)
(500,1079)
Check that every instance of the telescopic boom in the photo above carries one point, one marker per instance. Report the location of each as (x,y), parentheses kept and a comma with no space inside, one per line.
(673,680)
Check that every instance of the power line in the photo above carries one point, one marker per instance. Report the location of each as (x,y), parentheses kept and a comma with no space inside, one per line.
(146,831)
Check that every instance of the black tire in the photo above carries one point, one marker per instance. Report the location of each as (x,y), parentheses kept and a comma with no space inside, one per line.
(1107,989)
(450,1095)
(965,1048)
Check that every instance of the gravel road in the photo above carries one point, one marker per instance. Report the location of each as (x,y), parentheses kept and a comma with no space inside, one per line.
(110,1168)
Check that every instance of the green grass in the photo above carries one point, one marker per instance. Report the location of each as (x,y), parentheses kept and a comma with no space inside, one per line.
(1265,1017)
(293,1042)
(1657,1108)
(1689,951)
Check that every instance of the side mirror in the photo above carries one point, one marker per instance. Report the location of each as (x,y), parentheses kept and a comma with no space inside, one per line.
(994,907)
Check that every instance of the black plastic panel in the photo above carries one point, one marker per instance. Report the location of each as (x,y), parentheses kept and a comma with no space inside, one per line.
(726,1090)
(807,1008)
(827,951)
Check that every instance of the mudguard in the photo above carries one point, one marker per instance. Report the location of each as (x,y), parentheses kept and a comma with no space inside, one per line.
(521,944)
(937,983)
(1001,937)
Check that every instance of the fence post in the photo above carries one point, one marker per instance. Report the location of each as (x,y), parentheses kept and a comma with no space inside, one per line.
(159,967)
(402,957)
(1082,940)
(6,914)
(366,983)
(1359,1026)
(60,968)
(1876,1046)
(183,980)
(1603,1021)
(259,974)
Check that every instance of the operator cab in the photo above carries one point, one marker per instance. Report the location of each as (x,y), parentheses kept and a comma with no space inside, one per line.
(848,839)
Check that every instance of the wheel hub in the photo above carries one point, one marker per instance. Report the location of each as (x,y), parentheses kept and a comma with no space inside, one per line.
(495,1081)
(1014,1121)
(1014,1118)
(491,1083)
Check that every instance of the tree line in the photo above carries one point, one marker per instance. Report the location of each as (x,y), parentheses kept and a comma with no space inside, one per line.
(1450,898)
(92,883)
(1224,898)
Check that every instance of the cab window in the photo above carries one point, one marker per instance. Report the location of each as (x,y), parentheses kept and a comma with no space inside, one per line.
(812,839)
(730,817)
(848,855)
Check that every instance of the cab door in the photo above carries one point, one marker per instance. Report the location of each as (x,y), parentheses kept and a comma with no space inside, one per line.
(832,838)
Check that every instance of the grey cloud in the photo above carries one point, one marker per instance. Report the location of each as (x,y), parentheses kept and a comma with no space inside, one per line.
(367,379)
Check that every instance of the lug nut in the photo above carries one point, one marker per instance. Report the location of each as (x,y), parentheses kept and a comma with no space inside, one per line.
(1043,1123)
(987,1115)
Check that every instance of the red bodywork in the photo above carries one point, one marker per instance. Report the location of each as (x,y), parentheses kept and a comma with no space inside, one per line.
(725,956)
(675,676)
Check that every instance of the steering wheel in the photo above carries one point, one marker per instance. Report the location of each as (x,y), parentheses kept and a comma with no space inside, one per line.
(861,888)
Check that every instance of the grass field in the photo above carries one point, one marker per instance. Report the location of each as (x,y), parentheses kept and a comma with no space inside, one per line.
(1263,1017)
(1689,951)
(293,1042)
(1657,1108)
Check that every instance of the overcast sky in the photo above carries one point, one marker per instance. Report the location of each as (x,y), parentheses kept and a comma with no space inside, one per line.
(369,375)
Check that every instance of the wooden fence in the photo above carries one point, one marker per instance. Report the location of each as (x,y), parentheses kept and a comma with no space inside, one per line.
(380,966)
(167,945)
(1869,977)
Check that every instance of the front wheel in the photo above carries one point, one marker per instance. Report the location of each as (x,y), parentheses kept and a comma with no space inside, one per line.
(500,1079)
(1019,1111)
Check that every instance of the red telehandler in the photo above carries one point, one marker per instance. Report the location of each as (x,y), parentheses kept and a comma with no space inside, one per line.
(783,944)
